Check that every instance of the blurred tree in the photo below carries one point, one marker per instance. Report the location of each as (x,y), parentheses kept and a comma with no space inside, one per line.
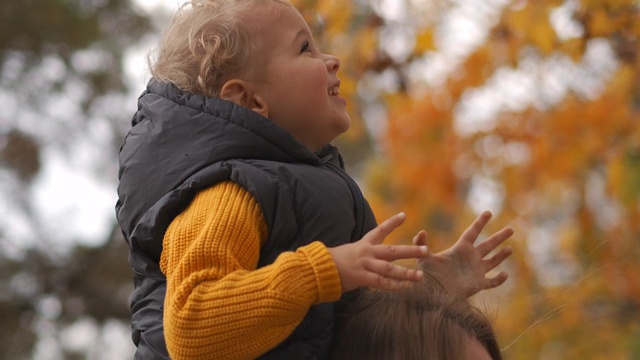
(60,61)
(539,122)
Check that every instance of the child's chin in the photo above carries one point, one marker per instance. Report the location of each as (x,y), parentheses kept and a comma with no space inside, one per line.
(346,124)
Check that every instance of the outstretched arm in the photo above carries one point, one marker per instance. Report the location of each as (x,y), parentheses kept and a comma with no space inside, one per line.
(464,266)
(220,305)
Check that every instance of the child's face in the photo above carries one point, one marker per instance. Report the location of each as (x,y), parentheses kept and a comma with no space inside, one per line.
(299,84)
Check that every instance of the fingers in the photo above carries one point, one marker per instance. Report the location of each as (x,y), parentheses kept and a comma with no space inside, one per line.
(472,232)
(383,283)
(387,276)
(397,252)
(393,271)
(494,241)
(420,238)
(497,259)
(377,235)
(496,281)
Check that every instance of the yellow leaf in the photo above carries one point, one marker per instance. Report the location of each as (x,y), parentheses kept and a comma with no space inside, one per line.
(599,23)
(424,42)
(542,35)
(574,48)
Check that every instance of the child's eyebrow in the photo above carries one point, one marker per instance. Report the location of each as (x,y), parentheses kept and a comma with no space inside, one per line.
(300,33)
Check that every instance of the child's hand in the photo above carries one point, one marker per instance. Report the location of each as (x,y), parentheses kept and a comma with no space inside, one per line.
(463,267)
(367,262)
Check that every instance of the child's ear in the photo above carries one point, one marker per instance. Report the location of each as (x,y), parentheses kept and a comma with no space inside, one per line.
(239,92)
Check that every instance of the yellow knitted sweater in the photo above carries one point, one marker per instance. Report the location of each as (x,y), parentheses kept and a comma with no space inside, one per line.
(218,304)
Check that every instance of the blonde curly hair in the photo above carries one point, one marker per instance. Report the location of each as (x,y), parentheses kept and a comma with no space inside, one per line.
(209,42)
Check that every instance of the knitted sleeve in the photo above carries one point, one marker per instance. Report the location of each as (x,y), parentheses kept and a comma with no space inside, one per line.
(218,305)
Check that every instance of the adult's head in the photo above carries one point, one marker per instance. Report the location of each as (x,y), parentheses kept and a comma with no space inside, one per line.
(423,321)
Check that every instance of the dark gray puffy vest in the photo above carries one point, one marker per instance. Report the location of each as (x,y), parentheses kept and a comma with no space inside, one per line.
(182,143)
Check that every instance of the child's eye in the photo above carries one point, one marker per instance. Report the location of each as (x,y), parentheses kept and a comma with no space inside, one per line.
(306,47)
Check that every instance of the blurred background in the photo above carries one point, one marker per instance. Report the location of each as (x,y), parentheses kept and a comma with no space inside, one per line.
(530,109)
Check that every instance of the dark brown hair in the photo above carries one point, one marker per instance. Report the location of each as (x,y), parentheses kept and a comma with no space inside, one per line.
(423,321)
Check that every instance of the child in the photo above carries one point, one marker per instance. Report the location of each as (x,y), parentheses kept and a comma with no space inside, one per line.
(243,227)
(424,321)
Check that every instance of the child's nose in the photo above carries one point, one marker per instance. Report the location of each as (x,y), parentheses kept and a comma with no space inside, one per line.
(333,63)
